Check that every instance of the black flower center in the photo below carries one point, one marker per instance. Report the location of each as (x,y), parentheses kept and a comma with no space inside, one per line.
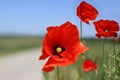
(57,50)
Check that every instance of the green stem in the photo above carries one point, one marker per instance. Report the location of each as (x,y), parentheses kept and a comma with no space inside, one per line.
(67,77)
(84,76)
(115,58)
(114,51)
(101,66)
(87,78)
(81,30)
(104,49)
(103,59)
(95,75)
(58,73)
(80,68)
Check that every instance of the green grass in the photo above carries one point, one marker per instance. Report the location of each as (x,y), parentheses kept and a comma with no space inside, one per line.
(74,71)
(11,44)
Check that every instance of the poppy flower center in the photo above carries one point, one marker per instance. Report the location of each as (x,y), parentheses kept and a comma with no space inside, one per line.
(106,30)
(58,49)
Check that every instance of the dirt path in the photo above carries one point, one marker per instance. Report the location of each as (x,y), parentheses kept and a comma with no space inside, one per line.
(22,66)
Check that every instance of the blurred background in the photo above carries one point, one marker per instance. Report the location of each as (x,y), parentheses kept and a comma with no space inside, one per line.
(23,25)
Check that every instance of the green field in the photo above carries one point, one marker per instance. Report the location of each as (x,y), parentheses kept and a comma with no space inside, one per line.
(12,44)
(74,71)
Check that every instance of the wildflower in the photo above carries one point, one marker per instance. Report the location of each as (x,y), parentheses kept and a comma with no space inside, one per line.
(106,28)
(61,45)
(89,65)
(86,12)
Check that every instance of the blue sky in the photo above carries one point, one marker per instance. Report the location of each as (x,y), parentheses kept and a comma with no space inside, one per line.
(32,17)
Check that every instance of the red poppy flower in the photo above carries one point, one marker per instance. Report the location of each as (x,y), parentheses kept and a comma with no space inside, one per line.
(106,28)
(62,45)
(86,12)
(89,65)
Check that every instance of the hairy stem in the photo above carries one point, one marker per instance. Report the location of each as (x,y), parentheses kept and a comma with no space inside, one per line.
(58,73)
(81,30)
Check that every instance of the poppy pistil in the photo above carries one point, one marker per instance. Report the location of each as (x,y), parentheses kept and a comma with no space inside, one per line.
(58,49)
(106,30)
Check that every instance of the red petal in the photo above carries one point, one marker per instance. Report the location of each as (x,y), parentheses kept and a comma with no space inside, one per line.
(47,69)
(44,55)
(81,49)
(45,50)
(86,12)
(53,62)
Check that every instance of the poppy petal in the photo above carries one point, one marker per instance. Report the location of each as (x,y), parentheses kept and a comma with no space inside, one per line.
(47,69)
(44,55)
(86,12)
